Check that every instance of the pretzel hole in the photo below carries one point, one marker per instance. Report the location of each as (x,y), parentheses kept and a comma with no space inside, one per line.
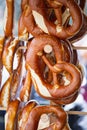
(64,78)
(43,122)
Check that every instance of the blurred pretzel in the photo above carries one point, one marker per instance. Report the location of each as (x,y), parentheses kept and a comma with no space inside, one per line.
(39,12)
(11,115)
(8,53)
(5,93)
(26,88)
(24,113)
(9,14)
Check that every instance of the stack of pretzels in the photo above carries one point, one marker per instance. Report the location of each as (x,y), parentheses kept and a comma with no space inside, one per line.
(45,58)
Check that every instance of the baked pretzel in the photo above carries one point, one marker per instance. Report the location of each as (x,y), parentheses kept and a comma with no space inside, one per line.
(82,31)
(35,114)
(24,3)
(29,22)
(5,93)
(15,82)
(45,89)
(22,30)
(39,12)
(26,88)
(1,50)
(8,53)
(9,18)
(68,100)
(24,113)
(11,114)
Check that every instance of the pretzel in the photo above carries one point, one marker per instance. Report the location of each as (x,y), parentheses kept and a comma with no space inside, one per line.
(35,114)
(8,27)
(1,50)
(39,12)
(22,30)
(26,88)
(8,53)
(24,113)
(81,32)
(24,3)
(15,82)
(11,114)
(68,100)
(45,89)
(5,93)
(29,22)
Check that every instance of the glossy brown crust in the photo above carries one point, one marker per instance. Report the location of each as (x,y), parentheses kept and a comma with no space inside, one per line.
(15,82)
(8,53)
(52,28)
(5,93)
(67,100)
(8,30)
(22,30)
(29,22)
(11,114)
(2,39)
(81,32)
(35,114)
(56,91)
(26,88)
(23,116)
(24,3)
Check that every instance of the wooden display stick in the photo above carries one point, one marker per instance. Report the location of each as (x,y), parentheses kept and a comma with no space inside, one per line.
(79,47)
(76,113)
(3,109)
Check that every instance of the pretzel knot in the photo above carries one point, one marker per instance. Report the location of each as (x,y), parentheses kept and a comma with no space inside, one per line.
(57,67)
(39,11)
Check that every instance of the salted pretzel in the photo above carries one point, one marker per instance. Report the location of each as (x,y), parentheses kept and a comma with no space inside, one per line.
(45,89)
(35,114)
(11,115)
(39,12)
(8,27)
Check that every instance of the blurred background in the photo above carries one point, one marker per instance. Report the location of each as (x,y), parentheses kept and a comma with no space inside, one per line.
(76,122)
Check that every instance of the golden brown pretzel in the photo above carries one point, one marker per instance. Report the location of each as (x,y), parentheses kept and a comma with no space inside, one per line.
(39,12)
(22,30)
(11,114)
(29,22)
(36,112)
(45,89)
(67,100)
(24,113)
(8,53)
(26,88)
(5,93)
(24,3)
(2,39)
(9,18)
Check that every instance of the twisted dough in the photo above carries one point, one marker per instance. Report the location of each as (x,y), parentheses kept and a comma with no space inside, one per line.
(34,117)
(44,88)
(39,12)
